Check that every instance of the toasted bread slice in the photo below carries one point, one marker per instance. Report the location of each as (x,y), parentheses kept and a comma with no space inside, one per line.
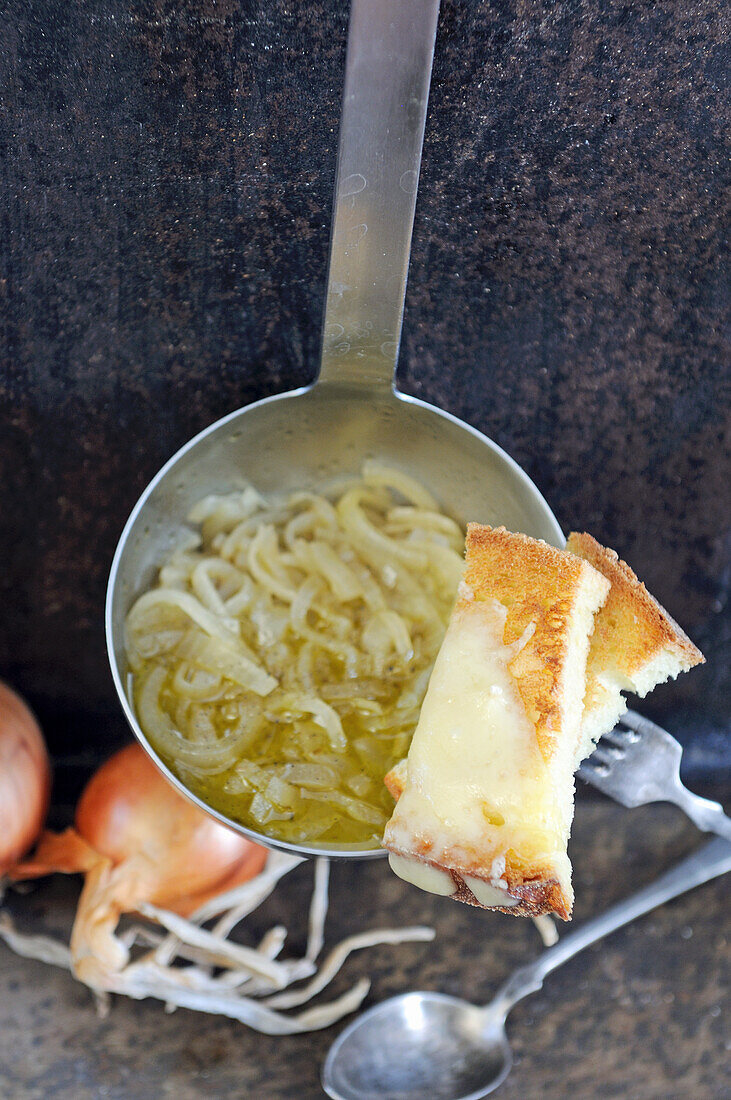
(395,780)
(635,646)
(487,801)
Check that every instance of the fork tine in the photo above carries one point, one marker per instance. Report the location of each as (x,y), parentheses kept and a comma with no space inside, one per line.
(592,773)
(639,724)
(606,756)
(619,738)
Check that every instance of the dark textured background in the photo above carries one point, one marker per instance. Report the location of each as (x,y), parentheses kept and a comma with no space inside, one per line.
(166,174)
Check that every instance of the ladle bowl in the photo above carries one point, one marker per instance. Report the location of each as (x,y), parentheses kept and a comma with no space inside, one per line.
(309,437)
(303,440)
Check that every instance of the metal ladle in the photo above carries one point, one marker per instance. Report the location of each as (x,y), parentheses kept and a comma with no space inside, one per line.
(308,436)
(427,1046)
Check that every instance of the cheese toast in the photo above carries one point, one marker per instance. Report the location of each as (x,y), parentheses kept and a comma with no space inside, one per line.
(631,644)
(487,803)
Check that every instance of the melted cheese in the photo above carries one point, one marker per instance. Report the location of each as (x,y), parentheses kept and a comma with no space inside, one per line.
(490,893)
(477,783)
(422,875)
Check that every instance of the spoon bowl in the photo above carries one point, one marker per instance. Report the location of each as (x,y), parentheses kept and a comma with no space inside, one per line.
(418,1045)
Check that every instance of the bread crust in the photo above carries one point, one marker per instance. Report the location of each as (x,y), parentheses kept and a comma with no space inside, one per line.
(395,780)
(534,895)
(632,627)
(539,585)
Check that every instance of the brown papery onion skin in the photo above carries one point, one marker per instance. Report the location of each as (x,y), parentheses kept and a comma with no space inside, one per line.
(25,778)
(128,807)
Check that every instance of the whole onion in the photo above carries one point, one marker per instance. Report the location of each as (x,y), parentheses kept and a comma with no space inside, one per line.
(25,778)
(129,808)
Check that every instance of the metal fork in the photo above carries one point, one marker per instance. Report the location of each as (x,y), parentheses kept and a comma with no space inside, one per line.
(639,762)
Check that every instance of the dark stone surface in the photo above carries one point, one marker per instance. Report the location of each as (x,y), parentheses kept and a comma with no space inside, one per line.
(166,182)
(641,1016)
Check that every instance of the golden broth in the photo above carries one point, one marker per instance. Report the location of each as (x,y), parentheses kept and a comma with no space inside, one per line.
(279,664)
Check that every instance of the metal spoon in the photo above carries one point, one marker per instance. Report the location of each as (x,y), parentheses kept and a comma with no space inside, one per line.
(309,436)
(427,1045)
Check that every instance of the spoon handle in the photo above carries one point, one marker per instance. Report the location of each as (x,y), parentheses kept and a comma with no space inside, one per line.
(712,859)
(387,75)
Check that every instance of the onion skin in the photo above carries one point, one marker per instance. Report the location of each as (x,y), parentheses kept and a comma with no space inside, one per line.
(128,808)
(25,778)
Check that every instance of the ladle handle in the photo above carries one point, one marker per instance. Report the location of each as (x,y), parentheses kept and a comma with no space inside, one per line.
(712,859)
(387,74)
